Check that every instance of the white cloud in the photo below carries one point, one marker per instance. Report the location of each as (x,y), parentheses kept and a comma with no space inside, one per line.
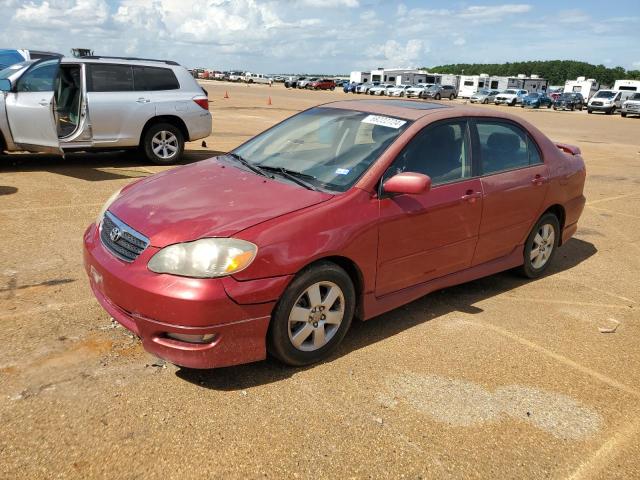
(56,14)
(459,41)
(394,54)
(329,3)
(494,12)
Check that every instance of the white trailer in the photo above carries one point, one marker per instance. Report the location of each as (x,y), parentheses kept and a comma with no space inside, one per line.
(531,84)
(585,86)
(628,85)
(470,84)
(359,77)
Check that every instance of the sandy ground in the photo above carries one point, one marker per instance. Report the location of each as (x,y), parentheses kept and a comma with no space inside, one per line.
(498,378)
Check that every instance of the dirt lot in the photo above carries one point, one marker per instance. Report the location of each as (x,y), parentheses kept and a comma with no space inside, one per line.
(498,378)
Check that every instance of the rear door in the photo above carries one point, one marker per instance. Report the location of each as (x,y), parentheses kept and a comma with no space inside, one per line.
(117,110)
(162,87)
(422,237)
(31,108)
(514,182)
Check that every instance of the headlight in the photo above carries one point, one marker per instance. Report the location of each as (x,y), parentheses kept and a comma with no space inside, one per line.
(205,258)
(107,204)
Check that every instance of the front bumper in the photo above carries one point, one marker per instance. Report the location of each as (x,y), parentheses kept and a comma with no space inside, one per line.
(601,108)
(631,111)
(507,101)
(154,305)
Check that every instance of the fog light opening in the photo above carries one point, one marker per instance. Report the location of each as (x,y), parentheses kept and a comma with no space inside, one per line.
(206,338)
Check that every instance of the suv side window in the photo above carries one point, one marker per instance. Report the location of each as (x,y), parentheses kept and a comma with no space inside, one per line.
(440,151)
(504,146)
(154,78)
(109,78)
(40,78)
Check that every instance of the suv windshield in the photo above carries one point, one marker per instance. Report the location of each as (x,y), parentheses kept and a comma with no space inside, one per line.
(329,148)
(482,92)
(511,92)
(605,94)
(533,95)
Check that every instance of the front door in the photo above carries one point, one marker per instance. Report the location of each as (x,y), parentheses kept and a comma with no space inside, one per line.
(426,236)
(31,108)
(514,182)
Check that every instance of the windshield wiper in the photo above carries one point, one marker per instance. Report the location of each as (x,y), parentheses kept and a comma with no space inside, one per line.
(293,176)
(254,168)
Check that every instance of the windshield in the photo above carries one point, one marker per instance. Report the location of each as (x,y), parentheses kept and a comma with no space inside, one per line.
(533,95)
(635,96)
(9,71)
(331,147)
(482,92)
(511,92)
(605,94)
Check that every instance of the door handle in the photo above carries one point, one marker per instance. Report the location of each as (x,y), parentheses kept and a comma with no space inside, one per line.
(471,196)
(539,180)
(143,100)
(44,103)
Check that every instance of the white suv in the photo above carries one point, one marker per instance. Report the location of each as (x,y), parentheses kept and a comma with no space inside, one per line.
(98,103)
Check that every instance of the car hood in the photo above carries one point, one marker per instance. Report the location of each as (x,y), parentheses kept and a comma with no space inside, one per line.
(212,198)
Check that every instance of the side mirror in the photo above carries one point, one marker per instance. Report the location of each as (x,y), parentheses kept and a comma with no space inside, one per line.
(5,85)
(409,183)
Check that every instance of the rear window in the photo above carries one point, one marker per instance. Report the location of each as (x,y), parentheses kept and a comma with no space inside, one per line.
(110,78)
(154,78)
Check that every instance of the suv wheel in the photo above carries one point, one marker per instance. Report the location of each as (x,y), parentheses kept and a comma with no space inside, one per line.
(312,316)
(437,97)
(163,144)
(452,96)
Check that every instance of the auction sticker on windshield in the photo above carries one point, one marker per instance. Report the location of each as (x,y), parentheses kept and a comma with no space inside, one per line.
(384,121)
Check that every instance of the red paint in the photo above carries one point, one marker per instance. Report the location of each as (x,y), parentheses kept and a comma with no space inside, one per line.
(402,246)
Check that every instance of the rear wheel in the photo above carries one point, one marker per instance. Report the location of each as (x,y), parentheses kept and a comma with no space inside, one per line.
(312,316)
(163,144)
(541,246)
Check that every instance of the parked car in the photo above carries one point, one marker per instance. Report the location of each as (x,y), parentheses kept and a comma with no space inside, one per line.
(365,87)
(322,84)
(340,83)
(510,97)
(302,83)
(398,90)
(277,248)
(258,78)
(608,101)
(292,82)
(569,101)
(236,76)
(440,91)
(351,87)
(417,90)
(484,96)
(98,103)
(536,100)
(631,106)
(380,89)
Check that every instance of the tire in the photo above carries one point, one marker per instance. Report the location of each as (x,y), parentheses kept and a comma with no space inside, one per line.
(452,96)
(555,108)
(573,107)
(485,101)
(623,114)
(153,139)
(437,97)
(513,103)
(589,110)
(541,242)
(295,303)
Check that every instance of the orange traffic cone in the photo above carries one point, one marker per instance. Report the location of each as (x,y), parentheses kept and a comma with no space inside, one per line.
(226,94)
(269,101)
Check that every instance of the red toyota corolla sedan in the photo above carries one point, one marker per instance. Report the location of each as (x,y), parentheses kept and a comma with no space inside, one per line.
(346,210)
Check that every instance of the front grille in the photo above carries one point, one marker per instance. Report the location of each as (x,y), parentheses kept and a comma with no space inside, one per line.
(596,104)
(633,107)
(120,239)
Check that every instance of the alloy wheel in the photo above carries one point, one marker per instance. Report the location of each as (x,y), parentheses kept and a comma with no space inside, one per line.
(164,144)
(316,316)
(542,246)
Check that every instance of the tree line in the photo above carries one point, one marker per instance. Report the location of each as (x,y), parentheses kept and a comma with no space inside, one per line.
(556,71)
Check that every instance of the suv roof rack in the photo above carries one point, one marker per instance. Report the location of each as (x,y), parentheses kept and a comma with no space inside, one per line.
(99,57)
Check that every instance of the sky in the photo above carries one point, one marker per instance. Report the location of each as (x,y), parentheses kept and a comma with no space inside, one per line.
(329,36)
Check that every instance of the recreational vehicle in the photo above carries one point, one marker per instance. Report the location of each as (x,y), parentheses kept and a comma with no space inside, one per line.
(584,86)
(628,85)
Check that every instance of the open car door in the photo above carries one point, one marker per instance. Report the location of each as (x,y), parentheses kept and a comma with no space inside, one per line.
(31,108)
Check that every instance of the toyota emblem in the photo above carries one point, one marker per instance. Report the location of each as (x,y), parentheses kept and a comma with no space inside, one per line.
(115,234)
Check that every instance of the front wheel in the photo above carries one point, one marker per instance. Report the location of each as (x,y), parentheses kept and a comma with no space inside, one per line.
(541,246)
(312,316)
(437,97)
(163,144)
(485,101)
(452,96)
(589,110)
(623,114)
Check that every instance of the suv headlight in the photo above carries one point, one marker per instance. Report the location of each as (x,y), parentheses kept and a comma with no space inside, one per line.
(205,258)
(107,204)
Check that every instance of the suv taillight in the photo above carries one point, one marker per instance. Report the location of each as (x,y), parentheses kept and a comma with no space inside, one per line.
(202,102)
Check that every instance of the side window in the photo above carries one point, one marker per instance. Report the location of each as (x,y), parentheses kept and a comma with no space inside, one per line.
(504,146)
(154,78)
(40,78)
(110,78)
(440,151)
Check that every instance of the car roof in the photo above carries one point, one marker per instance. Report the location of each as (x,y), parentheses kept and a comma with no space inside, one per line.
(123,61)
(416,109)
